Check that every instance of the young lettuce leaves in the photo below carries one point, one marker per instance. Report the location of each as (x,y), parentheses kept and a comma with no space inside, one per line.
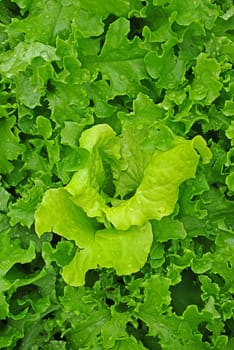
(76,211)
(158,192)
(121,250)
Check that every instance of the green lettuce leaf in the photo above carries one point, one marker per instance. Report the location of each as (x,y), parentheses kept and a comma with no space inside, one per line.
(49,217)
(158,192)
(22,211)
(87,183)
(207,84)
(121,61)
(111,249)
(143,131)
(168,228)
(96,248)
(11,148)
(45,20)
(22,56)
(4,198)
(18,254)
(69,102)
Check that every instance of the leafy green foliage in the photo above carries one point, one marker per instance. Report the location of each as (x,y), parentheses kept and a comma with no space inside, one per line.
(116,175)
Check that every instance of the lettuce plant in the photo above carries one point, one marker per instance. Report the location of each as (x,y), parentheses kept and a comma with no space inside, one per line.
(116,175)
